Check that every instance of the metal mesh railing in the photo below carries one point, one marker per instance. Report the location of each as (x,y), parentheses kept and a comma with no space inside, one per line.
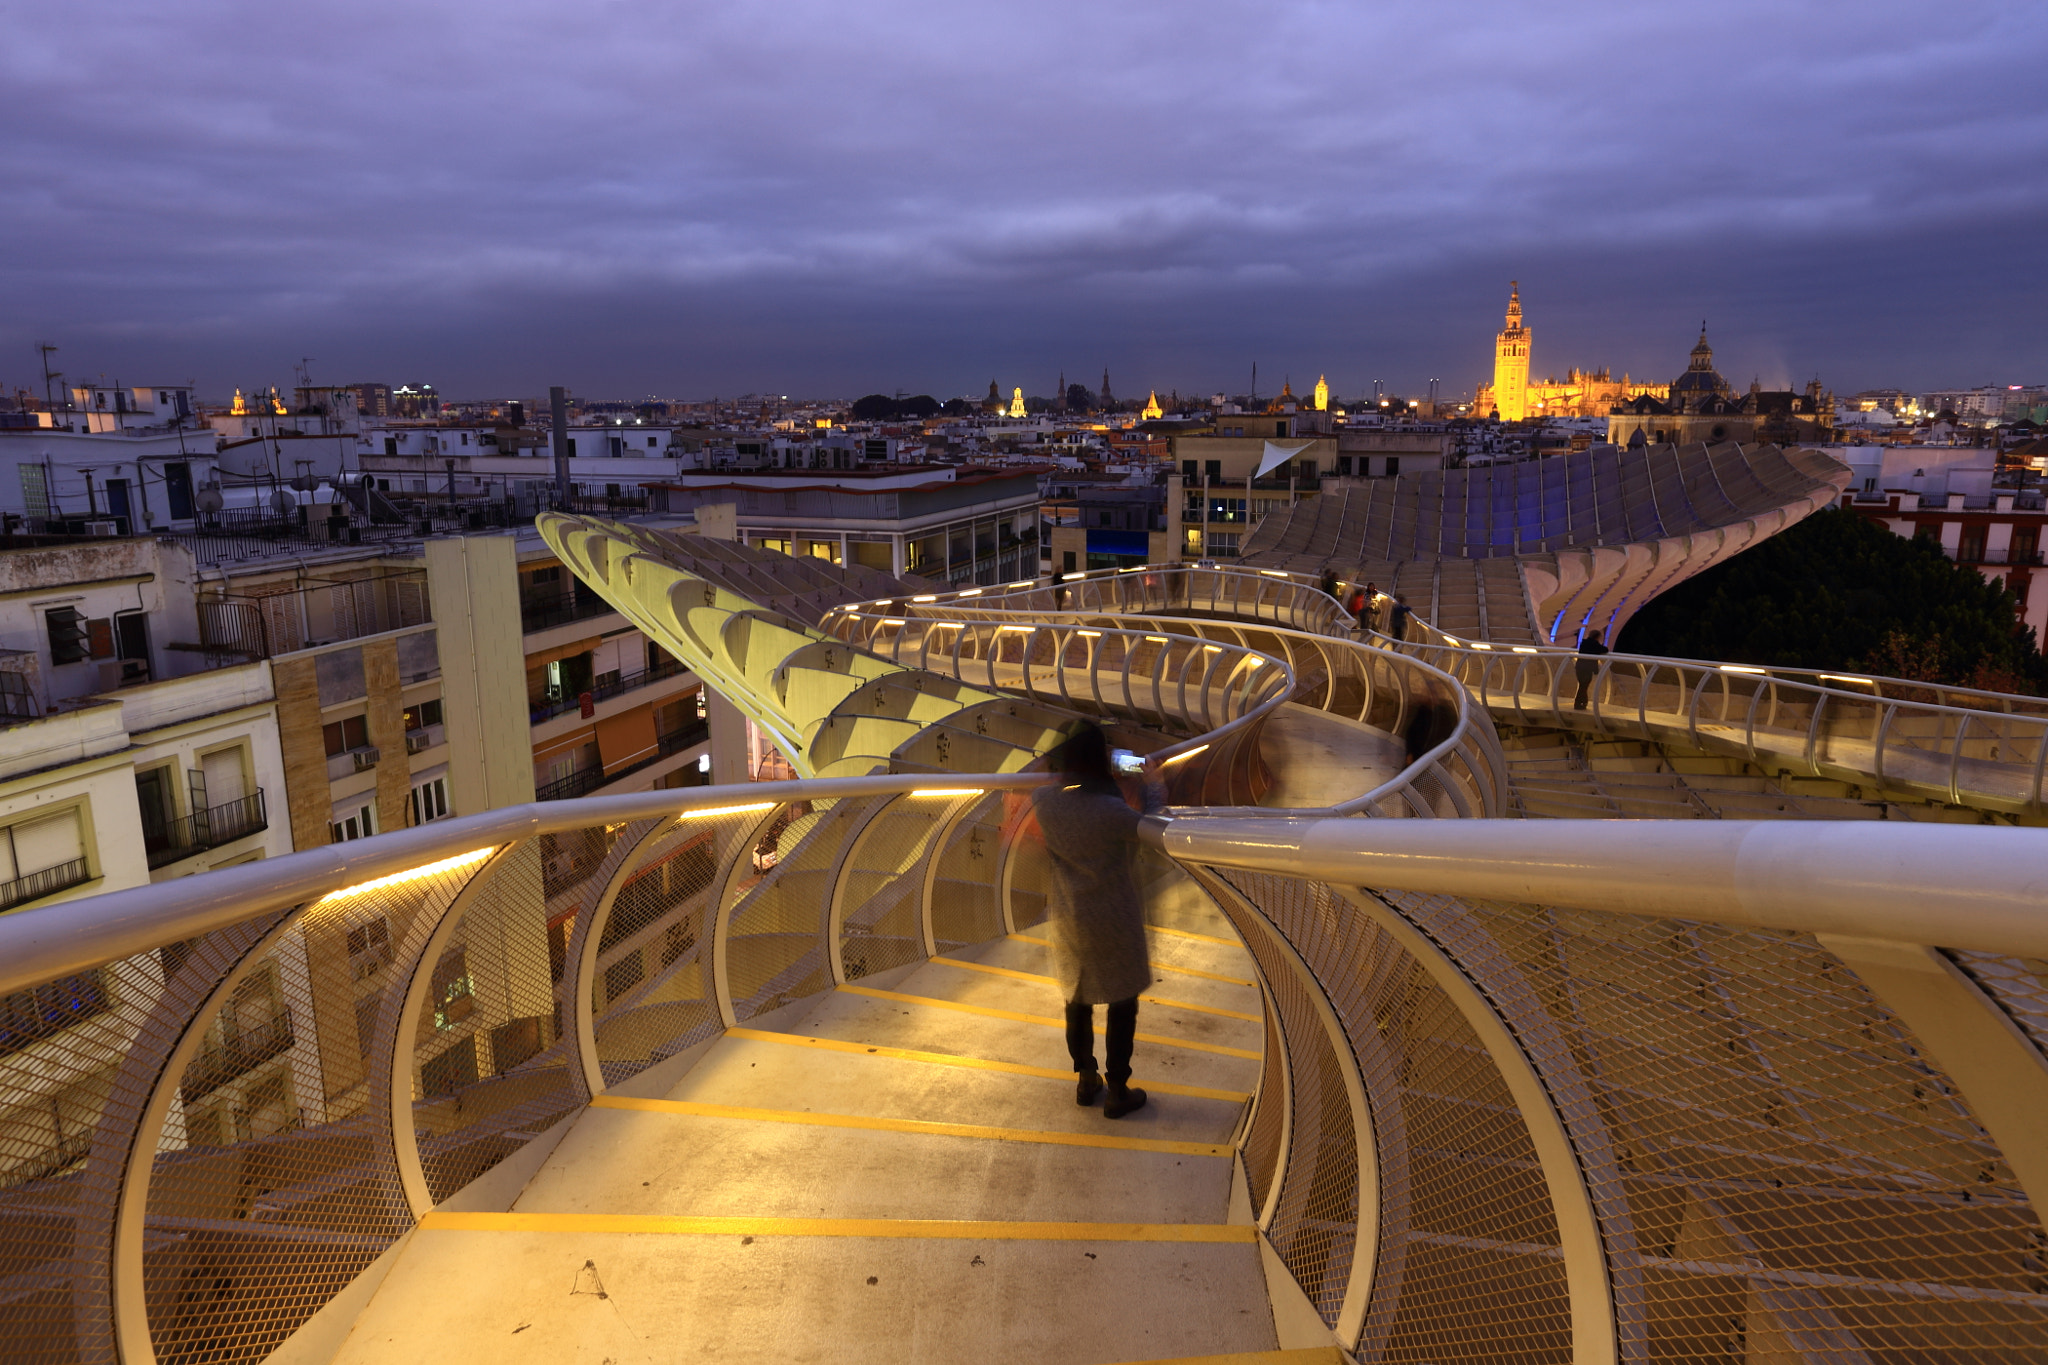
(1116,643)
(1983,749)
(364,1032)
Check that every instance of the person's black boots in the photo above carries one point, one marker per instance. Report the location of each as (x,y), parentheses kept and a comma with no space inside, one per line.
(1123,1099)
(1089,1089)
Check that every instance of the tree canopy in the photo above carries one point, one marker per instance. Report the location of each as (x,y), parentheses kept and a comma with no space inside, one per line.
(880,407)
(1838,592)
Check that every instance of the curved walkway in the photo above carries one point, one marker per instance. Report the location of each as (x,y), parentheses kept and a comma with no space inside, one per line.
(900,1160)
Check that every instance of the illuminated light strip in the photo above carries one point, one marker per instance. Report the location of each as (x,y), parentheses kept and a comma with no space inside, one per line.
(1027,583)
(1017,1017)
(1036,977)
(709,812)
(1525,649)
(904,1054)
(928,597)
(460,860)
(1273,573)
(1843,677)
(944,625)
(1159,639)
(919,1126)
(923,1229)
(971,592)
(1478,644)
(1158,967)
(1091,634)
(1740,668)
(951,791)
(1168,762)
(1212,649)
(893,621)
(1199,938)
(1024,629)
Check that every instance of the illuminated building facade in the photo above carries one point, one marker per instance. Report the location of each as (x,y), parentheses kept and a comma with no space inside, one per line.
(1513,397)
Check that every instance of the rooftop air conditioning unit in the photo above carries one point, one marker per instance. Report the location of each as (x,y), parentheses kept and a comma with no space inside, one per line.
(417,741)
(102,528)
(366,759)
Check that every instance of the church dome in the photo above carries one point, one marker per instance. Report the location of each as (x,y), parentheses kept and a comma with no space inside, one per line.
(1700,377)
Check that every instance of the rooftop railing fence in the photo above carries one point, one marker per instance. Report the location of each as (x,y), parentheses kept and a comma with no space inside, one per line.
(1961,746)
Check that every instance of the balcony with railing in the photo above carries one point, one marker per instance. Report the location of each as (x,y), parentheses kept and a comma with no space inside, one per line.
(588,780)
(204,829)
(550,707)
(48,882)
(237,1054)
(545,611)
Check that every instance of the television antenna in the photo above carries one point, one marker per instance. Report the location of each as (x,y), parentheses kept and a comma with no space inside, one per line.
(45,349)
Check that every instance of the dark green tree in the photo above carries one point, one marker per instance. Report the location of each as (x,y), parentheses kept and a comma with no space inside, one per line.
(1080,398)
(1837,592)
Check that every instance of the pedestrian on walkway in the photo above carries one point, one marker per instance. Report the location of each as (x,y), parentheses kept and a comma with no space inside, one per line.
(1397,617)
(1328,583)
(1359,604)
(1094,916)
(1587,665)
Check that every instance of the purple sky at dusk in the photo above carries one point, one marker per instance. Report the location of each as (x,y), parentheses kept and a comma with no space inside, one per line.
(634,198)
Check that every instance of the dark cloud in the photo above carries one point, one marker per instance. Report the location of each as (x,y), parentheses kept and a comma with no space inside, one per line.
(636,197)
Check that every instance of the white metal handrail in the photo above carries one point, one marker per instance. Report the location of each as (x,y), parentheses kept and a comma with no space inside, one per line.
(1253,682)
(54,941)
(1995,759)
(1470,739)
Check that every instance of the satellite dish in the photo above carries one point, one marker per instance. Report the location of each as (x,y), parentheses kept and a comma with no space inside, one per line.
(283,501)
(208,500)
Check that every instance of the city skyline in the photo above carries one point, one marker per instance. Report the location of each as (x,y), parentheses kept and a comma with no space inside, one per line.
(810,203)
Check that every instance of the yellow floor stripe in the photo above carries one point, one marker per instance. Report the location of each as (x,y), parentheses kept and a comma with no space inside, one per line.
(1158,1000)
(990,1012)
(684,1225)
(1157,966)
(884,1125)
(903,1054)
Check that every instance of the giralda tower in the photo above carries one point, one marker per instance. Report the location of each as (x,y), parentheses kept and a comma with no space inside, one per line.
(1511,362)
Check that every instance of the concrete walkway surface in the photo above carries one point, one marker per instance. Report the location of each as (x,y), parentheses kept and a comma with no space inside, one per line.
(896,1173)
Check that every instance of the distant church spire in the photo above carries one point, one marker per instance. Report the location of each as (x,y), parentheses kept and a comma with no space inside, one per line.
(1108,399)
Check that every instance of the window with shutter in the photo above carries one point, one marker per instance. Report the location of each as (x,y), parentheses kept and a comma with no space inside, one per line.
(225,777)
(46,843)
(67,635)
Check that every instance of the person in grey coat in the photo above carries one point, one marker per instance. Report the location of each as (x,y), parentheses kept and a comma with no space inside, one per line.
(1094,916)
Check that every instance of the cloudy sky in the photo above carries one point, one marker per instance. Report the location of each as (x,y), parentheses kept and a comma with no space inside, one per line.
(644,198)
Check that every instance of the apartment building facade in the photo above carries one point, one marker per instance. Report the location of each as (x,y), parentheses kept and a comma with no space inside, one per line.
(951,525)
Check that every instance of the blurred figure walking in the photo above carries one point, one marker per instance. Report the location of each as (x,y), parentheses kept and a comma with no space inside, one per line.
(1095,918)
(1587,666)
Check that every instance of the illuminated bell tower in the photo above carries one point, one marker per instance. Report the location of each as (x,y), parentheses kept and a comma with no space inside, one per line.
(1323,394)
(1511,362)
(1017,402)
